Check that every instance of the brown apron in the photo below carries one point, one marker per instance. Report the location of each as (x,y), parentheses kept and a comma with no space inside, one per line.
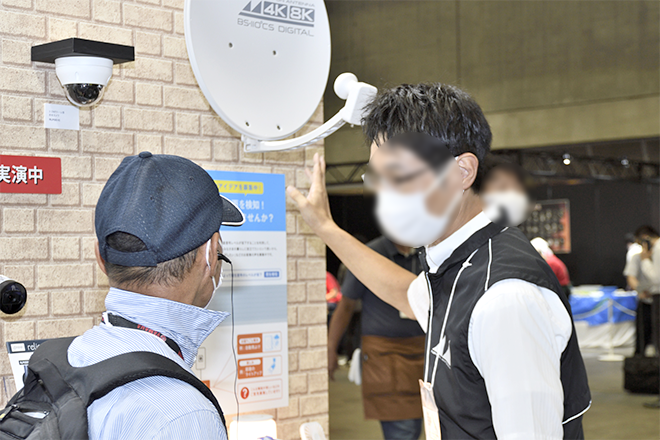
(391,369)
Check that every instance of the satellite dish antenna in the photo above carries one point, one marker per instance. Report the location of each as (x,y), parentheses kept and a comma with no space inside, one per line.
(263,67)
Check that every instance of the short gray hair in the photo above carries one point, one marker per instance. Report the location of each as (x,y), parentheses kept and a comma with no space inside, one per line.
(167,273)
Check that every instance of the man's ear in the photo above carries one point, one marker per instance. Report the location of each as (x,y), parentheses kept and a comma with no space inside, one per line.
(212,253)
(100,261)
(469,166)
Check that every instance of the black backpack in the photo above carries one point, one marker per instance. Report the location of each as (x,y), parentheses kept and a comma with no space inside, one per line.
(53,403)
(641,374)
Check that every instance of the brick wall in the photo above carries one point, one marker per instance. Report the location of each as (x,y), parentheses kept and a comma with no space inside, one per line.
(47,241)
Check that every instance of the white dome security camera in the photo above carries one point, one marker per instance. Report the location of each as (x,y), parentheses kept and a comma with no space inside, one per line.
(83,78)
(83,67)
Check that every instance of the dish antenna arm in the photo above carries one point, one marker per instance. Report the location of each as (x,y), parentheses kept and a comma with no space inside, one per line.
(346,86)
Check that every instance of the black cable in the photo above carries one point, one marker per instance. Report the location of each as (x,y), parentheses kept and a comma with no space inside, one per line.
(233,349)
(224,258)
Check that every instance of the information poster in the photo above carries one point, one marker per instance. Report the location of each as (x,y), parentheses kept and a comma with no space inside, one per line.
(20,353)
(551,220)
(249,363)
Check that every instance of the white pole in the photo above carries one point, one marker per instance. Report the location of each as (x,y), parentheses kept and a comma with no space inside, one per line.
(610,356)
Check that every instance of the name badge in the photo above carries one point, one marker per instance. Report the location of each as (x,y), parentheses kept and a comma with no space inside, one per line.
(430,411)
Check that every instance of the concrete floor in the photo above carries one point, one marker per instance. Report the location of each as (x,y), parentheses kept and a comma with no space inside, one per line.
(614,414)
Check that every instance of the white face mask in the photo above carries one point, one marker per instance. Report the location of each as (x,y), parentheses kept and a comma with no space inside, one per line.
(406,220)
(506,208)
(217,284)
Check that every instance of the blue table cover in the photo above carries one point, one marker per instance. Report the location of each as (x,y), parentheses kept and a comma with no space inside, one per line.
(593,308)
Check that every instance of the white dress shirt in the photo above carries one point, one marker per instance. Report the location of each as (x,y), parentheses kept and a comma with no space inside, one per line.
(634,268)
(633,250)
(650,267)
(517,333)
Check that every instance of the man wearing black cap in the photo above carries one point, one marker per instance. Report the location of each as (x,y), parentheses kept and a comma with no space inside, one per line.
(157,223)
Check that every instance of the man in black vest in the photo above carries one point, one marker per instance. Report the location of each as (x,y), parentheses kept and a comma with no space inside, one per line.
(502,359)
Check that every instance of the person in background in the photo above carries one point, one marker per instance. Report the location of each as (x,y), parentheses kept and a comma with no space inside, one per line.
(557,266)
(638,282)
(352,338)
(649,270)
(332,291)
(392,349)
(633,248)
(504,192)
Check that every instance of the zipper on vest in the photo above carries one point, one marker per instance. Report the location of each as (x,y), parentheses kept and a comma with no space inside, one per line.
(429,333)
(464,266)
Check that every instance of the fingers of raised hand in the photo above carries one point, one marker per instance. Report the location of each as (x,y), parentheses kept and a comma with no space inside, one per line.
(296,195)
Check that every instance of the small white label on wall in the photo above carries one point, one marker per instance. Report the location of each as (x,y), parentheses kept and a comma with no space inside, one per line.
(65,117)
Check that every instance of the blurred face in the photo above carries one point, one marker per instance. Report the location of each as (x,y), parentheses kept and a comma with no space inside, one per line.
(400,170)
(505,199)
(501,181)
(646,238)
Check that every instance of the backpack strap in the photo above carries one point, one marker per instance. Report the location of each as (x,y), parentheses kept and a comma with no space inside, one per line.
(95,381)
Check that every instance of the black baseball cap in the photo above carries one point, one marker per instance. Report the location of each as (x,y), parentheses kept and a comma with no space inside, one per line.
(168,202)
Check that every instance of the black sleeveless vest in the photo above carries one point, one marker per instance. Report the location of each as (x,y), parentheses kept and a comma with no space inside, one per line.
(460,391)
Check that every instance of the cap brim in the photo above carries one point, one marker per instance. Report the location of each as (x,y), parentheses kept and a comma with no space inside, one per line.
(231,214)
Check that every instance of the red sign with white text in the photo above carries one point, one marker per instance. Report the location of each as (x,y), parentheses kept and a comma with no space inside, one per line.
(30,175)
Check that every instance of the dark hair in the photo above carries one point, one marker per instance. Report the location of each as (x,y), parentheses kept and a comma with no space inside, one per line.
(433,150)
(166,273)
(629,237)
(493,164)
(441,110)
(646,230)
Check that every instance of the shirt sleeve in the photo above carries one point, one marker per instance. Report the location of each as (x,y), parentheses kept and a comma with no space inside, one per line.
(352,288)
(198,424)
(651,267)
(419,300)
(632,267)
(516,336)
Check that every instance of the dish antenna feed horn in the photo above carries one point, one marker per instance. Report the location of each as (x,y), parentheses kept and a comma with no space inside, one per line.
(263,67)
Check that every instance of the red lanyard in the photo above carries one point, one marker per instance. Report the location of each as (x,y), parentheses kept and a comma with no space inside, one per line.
(118,321)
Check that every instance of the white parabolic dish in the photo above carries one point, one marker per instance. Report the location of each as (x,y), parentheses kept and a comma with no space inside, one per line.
(263,66)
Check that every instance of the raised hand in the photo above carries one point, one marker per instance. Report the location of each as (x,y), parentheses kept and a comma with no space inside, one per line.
(315,208)
(382,276)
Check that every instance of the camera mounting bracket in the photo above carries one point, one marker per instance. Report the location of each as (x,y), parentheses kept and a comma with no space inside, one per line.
(78,47)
